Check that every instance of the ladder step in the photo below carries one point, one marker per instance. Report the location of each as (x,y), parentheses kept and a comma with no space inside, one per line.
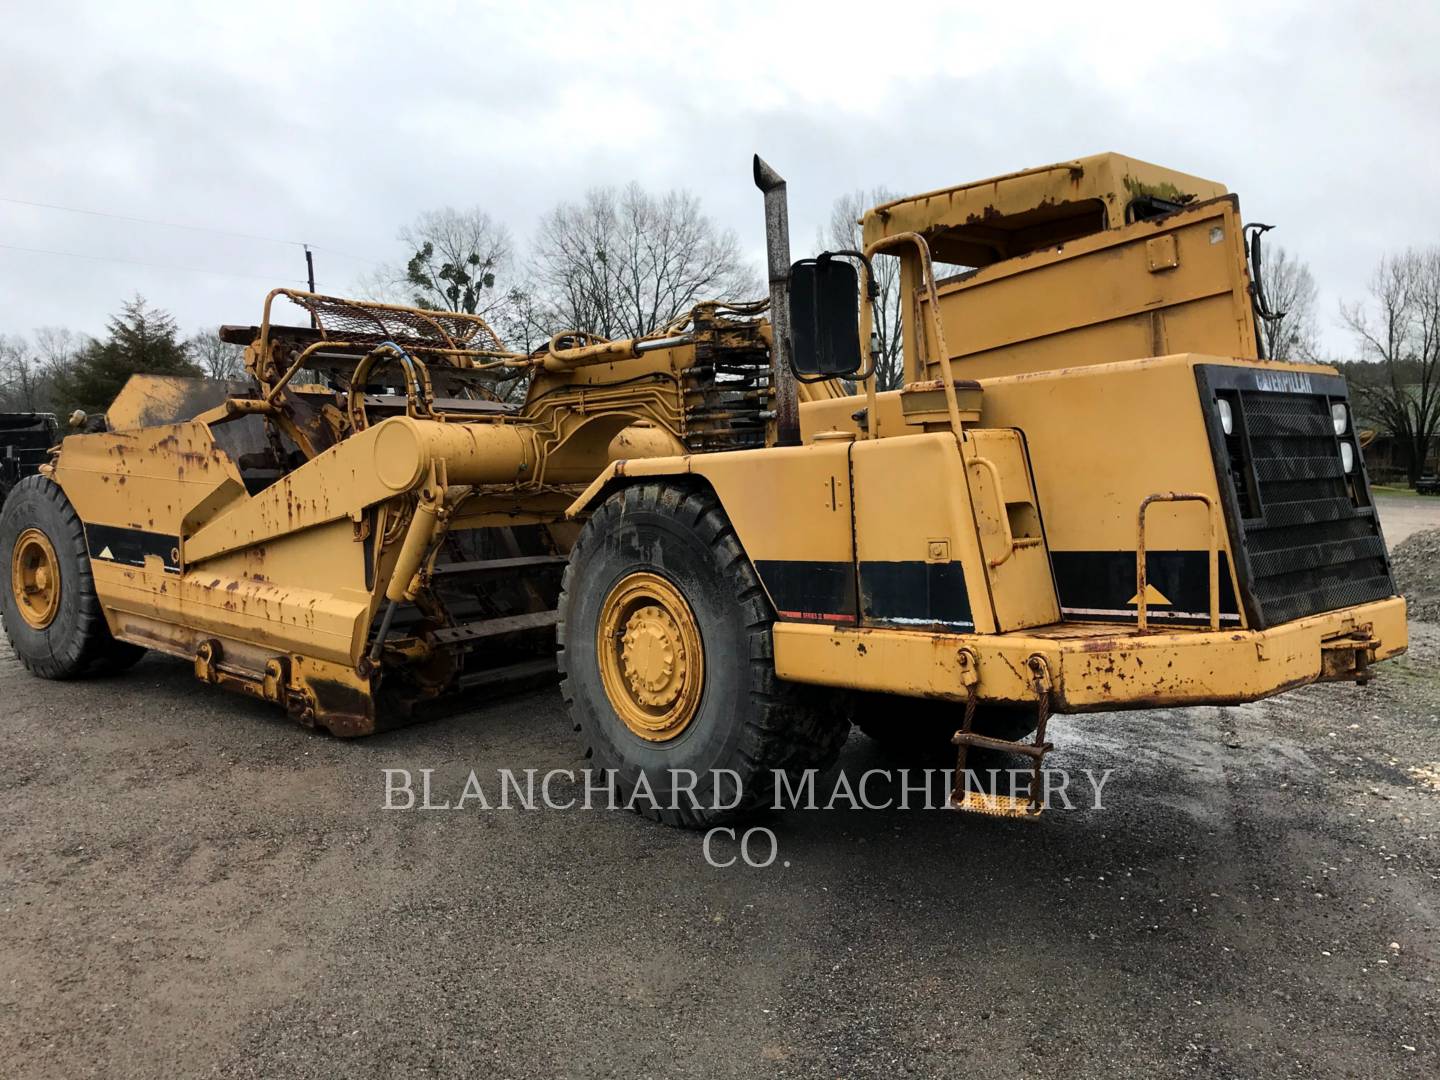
(1006,746)
(497,566)
(488,628)
(510,673)
(1006,806)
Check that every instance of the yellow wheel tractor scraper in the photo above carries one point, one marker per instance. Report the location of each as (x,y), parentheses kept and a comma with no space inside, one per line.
(1090,493)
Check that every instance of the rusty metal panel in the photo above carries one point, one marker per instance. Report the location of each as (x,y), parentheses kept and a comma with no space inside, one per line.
(1098,667)
(146,400)
(1099,299)
(1019,200)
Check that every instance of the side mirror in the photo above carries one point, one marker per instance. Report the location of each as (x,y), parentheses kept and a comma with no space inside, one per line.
(824,318)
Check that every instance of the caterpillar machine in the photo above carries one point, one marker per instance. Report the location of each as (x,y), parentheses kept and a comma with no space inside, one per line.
(1091,493)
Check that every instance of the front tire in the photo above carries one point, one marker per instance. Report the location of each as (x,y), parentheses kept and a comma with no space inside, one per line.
(48,603)
(667,663)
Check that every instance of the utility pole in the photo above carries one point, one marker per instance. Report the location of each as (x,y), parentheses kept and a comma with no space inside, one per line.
(310,276)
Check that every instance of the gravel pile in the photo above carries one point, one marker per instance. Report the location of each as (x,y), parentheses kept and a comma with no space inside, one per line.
(1416,561)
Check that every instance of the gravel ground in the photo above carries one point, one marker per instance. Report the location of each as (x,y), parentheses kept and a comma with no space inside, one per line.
(192,886)
(1416,563)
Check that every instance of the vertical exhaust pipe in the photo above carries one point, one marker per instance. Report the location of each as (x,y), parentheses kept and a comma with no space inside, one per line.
(777,258)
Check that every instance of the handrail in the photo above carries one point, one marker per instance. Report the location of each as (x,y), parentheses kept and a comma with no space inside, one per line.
(290,372)
(515,364)
(368,308)
(597,350)
(952,402)
(1141,584)
(994,471)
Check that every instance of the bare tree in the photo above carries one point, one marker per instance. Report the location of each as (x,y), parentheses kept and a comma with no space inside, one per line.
(843,232)
(385,284)
(20,375)
(624,263)
(29,368)
(1293,334)
(1398,326)
(58,349)
(458,260)
(218,359)
(525,322)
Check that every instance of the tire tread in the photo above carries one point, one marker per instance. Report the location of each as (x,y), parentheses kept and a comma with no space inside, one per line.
(790,727)
(90,648)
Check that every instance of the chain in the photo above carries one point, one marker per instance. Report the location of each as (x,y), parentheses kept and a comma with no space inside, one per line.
(970,677)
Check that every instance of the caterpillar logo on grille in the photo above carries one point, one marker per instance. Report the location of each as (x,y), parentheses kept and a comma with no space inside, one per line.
(1283,382)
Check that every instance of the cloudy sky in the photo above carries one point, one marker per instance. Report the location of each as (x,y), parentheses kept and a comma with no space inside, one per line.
(334,123)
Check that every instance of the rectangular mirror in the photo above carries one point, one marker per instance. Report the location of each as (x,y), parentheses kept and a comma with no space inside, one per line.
(824,318)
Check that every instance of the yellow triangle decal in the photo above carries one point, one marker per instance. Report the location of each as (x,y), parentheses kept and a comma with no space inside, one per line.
(1152,596)
(105,553)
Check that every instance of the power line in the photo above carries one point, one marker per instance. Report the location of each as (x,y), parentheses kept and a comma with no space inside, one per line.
(152,266)
(182,225)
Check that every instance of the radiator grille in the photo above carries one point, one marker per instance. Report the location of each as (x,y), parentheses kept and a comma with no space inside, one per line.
(1310,548)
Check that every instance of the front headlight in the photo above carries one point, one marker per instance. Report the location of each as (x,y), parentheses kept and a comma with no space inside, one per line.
(1340,417)
(1347,456)
(1227,418)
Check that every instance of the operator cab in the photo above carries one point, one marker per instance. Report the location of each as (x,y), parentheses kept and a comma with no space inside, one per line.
(988,221)
(1091,261)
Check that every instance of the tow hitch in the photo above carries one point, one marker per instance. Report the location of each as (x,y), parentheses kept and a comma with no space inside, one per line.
(1349,656)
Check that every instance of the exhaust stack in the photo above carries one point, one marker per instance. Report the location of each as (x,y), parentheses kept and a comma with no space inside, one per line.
(777,257)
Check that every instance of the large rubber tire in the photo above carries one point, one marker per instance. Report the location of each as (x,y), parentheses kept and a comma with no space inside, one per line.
(748,720)
(76,641)
(921,728)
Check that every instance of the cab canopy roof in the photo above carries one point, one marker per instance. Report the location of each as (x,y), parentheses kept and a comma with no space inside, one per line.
(986,221)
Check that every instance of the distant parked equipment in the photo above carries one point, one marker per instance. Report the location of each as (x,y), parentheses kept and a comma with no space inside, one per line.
(25,442)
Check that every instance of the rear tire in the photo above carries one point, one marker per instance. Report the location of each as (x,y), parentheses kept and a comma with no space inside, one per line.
(655,686)
(61,636)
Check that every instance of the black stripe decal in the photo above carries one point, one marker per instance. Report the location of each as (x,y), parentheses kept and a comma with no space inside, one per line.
(110,543)
(811,591)
(907,594)
(916,594)
(1093,583)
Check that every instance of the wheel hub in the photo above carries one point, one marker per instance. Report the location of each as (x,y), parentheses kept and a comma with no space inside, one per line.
(651,660)
(35,579)
(652,657)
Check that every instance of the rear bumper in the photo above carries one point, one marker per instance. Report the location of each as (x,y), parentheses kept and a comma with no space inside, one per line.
(1099,666)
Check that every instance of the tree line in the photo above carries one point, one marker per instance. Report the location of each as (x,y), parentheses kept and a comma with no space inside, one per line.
(625,262)
(57,370)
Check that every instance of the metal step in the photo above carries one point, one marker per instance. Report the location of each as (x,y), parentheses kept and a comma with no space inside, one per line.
(992,805)
(488,628)
(496,566)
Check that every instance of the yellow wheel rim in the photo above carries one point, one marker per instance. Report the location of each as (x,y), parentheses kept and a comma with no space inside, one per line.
(35,579)
(652,664)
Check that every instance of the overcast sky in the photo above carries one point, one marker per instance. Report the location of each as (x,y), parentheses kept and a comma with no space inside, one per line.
(336,122)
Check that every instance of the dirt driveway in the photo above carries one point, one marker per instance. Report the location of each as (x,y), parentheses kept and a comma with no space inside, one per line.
(1401,515)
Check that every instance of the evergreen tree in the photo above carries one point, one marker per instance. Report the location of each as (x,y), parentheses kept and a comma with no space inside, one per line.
(141,340)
